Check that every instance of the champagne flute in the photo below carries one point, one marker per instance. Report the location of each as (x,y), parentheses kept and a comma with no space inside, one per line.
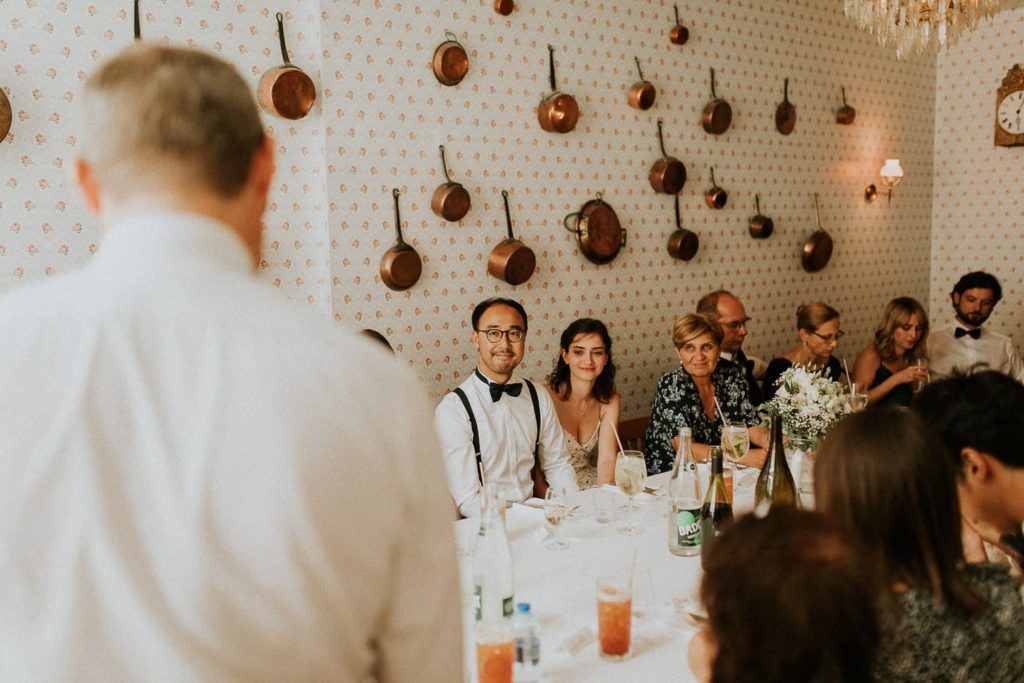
(556,509)
(630,475)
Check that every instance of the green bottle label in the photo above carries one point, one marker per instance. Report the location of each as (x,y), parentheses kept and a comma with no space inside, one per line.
(688,527)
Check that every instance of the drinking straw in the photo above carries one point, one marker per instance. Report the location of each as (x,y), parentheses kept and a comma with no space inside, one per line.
(617,440)
(480,466)
(720,413)
(848,382)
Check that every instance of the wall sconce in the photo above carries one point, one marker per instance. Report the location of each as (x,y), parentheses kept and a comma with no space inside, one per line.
(892,174)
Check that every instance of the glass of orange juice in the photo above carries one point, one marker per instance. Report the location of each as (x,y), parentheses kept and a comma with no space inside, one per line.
(615,614)
(495,652)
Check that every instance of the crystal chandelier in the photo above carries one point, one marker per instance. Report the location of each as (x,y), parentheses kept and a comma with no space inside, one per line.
(911,26)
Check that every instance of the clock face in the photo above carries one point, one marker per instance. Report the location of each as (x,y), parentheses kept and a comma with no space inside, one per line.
(1011,113)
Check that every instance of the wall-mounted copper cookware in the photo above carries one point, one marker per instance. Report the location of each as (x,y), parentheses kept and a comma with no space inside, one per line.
(682,243)
(6,116)
(785,114)
(846,113)
(597,230)
(451,62)
(511,261)
(818,248)
(558,112)
(668,174)
(679,33)
(643,93)
(136,23)
(717,113)
(761,227)
(451,200)
(716,197)
(504,7)
(401,266)
(286,90)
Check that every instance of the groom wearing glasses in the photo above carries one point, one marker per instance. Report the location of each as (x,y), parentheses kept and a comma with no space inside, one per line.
(496,426)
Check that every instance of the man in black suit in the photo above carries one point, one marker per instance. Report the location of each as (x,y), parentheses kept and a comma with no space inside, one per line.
(724,308)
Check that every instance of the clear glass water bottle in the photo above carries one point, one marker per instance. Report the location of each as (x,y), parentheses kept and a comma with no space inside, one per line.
(527,635)
(492,564)
(684,499)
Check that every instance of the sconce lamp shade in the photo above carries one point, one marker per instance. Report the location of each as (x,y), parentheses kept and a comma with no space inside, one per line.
(891,171)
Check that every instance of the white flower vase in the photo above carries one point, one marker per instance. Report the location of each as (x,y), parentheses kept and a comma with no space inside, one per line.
(800,454)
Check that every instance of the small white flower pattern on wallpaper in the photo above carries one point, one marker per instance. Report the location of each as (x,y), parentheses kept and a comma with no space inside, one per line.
(381,114)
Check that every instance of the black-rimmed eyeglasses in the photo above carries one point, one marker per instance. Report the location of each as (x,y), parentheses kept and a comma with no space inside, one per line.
(494,335)
(829,338)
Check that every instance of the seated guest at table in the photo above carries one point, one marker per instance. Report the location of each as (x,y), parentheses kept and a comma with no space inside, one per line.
(582,388)
(818,327)
(490,425)
(877,474)
(687,397)
(978,417)
(885,367)
(789,600)
(725,309)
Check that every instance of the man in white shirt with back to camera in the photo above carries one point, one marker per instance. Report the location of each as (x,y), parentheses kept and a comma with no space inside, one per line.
(200,481)
(497,423)
(965,343)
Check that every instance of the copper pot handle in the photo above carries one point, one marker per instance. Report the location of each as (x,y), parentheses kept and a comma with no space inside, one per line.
(679,225)
(638,70)
(843,88)
(508,216)
(713,95)
(661,140)
(817,213)
(676,8)
(280,36)
(714,185)
(551,67)
(444,165)
(400,245)
(138,28)
(565,221)
(757,201)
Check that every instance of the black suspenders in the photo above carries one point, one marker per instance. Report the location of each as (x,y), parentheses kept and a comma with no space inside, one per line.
(476,432)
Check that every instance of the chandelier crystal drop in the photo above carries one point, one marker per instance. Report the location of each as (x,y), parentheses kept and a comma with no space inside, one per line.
(912,26)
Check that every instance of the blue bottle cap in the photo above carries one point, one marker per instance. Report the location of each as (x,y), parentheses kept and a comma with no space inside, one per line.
(523,607)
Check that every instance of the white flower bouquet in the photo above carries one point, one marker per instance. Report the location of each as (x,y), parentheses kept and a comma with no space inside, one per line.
(809,403)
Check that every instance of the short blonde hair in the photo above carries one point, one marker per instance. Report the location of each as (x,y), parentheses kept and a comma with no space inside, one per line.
(693,325)
(158,114)
(809,317)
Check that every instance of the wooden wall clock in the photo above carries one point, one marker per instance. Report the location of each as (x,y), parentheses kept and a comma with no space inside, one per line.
(1010,109)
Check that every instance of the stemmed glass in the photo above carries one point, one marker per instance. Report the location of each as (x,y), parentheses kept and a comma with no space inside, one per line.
(735,441)
(630,475)
(556,509)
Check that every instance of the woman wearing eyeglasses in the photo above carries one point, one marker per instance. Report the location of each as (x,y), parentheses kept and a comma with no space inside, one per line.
(818,326)
(888,367)
(582,387)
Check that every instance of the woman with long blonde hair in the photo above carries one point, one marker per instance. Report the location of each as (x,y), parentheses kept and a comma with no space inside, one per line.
(887,367)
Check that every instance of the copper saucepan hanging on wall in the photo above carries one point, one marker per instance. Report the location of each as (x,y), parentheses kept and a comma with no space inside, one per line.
(682,243)
(785,114)
(668,174)
(451,200)
(451,62)
(400,266)
(558,112)
(761,227)
(846,113)
(6,116)
(504,7)
(598,231)
(643,92)
(286,90)
(818,248)
(717,113)
(716,197)
(679,33)
(511,261)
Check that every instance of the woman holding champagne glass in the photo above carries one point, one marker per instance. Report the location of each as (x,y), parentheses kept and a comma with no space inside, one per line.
(699,394)
(895,362)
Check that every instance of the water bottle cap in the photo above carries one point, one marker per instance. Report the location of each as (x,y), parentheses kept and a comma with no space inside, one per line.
(523,607)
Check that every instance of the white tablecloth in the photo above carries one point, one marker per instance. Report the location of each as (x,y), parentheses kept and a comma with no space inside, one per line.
(560,586)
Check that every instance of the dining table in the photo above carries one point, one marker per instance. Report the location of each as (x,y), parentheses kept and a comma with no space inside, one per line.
(560,584)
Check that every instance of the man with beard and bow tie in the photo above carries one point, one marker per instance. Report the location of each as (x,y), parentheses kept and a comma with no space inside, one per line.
(496,426)
(724,308)
(965,343)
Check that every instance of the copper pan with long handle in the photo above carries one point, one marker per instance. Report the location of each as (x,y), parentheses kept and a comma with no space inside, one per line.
(451,201)
(400,266)
(504,7)
(511,261)
(785,114)
(846,113)
(679,33)
(643,93)
(668,174)
(818,248)
(761,227)
(286,90)
(558,112)
(682,243)
(717,114)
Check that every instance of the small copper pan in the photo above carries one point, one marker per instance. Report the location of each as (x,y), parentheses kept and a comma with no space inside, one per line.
(643,93)
(679,33)
(682,243)
(511,261)
(504,7)
(6,117)
(716,197)
(818,248)
(846,113)
(785,114)
(717,113)
(400,266)
(558,112)
(286,90)
(761,227)
(451,200)
(668,174)
(451,63)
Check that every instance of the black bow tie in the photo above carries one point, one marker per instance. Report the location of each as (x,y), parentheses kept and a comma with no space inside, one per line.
(973,334)
(498,389)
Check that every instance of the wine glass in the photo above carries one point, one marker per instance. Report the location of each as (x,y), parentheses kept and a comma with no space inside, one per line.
(630,475)
(556,509)
(735,441)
